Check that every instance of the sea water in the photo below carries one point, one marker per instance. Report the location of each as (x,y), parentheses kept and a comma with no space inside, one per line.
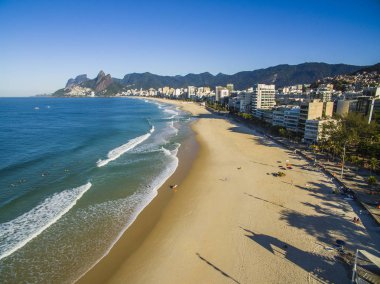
(74,174)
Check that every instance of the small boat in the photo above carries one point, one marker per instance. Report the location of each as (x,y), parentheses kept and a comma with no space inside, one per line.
(173,186)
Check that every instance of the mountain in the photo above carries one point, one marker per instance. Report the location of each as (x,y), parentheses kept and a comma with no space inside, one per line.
(100,83)
(78,80)
(369,69)
(82,86)
(280,75)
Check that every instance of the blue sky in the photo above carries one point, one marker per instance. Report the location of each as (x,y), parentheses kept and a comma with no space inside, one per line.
(43,43)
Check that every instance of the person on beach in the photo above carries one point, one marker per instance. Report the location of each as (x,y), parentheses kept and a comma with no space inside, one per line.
(356,220)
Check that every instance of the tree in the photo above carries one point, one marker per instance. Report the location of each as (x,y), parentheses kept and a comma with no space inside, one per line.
(352,134)
(282,132)
(371,181)
(373,164)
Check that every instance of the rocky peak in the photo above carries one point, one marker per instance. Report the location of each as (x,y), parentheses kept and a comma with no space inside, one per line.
(77,81)
(102,82)
(100,76)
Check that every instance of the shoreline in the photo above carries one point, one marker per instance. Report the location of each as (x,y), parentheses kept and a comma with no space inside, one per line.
(233,220)
(135,233)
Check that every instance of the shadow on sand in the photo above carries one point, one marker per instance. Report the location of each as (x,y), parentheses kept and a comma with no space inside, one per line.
(322,268)
(217,268)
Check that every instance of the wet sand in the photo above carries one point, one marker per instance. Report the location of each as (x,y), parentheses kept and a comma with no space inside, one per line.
(233,221)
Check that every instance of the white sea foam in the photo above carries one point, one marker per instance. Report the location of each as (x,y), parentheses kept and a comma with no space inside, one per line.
(117,152)
(139,200)
(175,129)
(171,111)
(171,117)
(166,151)
(157,104)
(18,232)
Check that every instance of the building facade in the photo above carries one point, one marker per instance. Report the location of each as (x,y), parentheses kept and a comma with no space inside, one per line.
(263,98)
(314,110)
(245,102)
(313,129)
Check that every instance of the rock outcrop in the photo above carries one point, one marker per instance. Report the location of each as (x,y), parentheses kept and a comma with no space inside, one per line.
(102,81)
(77,81)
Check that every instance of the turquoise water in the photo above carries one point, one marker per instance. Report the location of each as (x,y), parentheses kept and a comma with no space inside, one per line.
(74,174)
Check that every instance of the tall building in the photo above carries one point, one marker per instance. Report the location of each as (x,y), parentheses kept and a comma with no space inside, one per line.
(328,109)
(165,90)
(314,128)
(314,110)
(191,90)
(230,88)
(177,92)
(207,90)
(372,92)
(217,93)
(263,97)
(364,105)
(220,92)
(245,102)
(324,92)
(224,93)
(345,107)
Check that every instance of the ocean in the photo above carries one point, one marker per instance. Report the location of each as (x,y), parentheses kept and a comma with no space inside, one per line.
(74,174)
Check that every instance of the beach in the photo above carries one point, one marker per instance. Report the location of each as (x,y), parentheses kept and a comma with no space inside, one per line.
(232,220)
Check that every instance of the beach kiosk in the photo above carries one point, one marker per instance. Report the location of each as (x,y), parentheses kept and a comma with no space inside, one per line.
(366,268)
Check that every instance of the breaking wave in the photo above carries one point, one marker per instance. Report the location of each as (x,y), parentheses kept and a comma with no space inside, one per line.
(117,152)
(18,232)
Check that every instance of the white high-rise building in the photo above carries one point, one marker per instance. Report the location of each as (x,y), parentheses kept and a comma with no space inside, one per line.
(220,92)
(177,92)
(191,90)
(263,97)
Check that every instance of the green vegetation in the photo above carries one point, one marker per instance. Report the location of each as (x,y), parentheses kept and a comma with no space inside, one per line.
(216,106)
(113,89)
(282,132)
(247,116)
(281,174)
(352,136)
(59,93)
(372,180)
(373,164)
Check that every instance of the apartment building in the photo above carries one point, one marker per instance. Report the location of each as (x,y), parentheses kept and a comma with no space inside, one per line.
(191,91)
(278,118)
(314,128)
(313,110)
(345,107)
(287,117)
(263,98)
(245,102)
(291,118)
(220,92)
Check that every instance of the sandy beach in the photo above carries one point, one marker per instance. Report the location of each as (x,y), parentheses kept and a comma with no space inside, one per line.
(232,221)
